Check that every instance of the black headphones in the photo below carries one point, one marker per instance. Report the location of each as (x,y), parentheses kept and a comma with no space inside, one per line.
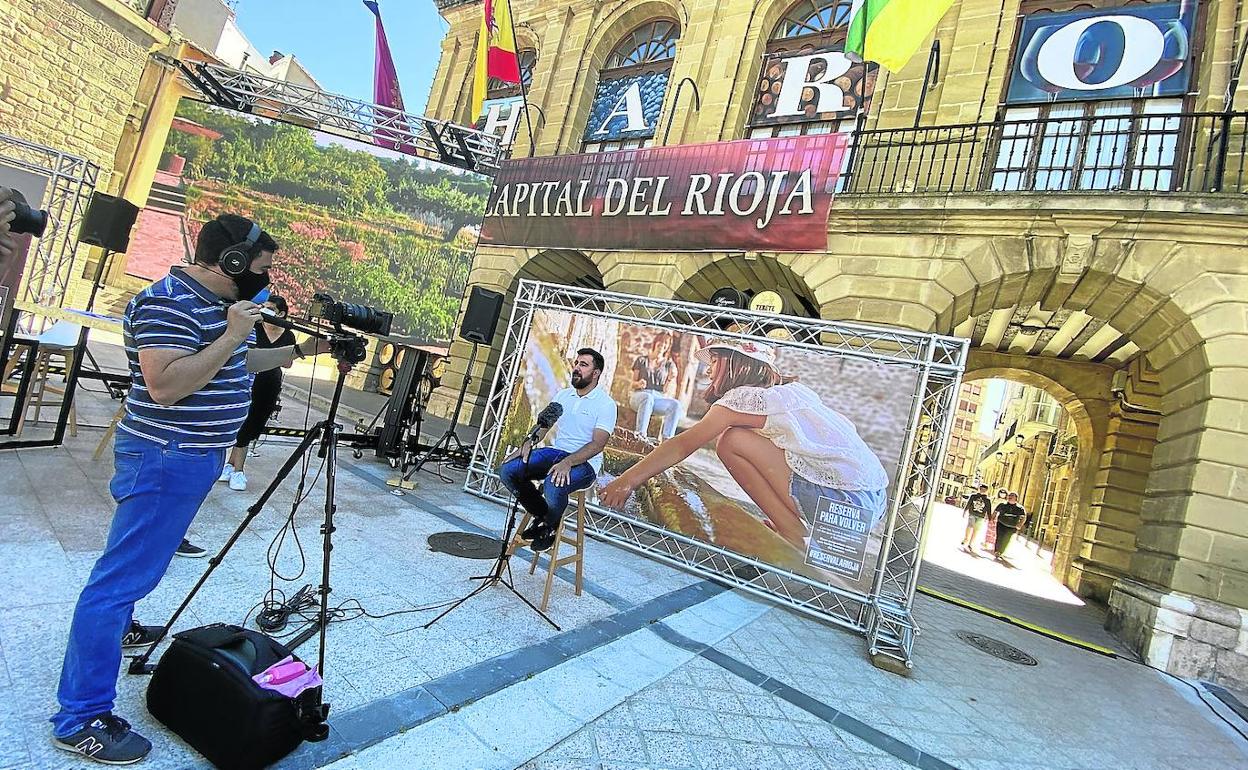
(236,259)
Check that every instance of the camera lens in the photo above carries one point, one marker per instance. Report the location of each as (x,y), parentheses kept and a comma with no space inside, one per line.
(28,221)
(366,319)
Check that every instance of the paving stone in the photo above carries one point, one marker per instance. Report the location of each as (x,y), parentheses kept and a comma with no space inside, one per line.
(619,744)
(637,701)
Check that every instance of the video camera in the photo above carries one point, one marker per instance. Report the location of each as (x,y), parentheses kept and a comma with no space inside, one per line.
(362,318)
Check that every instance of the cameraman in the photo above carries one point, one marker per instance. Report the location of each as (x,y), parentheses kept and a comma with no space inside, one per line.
(188,340)
(8,210)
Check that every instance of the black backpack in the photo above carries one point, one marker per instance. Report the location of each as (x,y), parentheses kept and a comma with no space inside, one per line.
(203,690)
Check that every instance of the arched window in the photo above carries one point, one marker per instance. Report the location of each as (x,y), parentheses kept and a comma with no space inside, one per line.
(631,87)
(498,89)
(828,94)
(813,17)
(501,112)
(650,44)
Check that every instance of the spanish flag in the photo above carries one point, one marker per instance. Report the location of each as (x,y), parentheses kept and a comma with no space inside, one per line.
(496,51)
(890,31)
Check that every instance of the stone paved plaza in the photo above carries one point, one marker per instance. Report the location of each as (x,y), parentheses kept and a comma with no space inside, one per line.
(654,667)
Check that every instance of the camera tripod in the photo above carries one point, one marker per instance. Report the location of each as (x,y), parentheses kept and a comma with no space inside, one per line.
(348,350)
(501,573)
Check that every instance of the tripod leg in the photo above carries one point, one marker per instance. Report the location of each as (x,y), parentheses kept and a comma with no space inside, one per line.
(138,663)
(330,442)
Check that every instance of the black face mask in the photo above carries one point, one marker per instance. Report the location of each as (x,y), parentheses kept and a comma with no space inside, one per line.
(250,284)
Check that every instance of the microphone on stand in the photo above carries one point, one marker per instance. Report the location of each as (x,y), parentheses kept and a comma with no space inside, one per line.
(545,421)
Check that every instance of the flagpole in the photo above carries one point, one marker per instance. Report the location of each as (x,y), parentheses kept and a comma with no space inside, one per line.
(524,90)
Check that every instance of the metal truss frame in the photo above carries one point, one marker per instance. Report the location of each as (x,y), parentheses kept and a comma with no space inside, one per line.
(71,182)
(279,100)
(884,615)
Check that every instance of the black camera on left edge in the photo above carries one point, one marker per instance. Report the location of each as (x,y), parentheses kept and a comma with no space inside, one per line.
(27,221)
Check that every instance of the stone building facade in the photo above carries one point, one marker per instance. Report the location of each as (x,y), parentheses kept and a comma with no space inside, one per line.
(77,76)
(1091,242)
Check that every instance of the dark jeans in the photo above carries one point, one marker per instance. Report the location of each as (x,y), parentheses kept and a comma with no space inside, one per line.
(1004,536)
(545,506)
(158,490)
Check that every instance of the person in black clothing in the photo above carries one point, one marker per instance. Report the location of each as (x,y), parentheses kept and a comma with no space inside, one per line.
(977,507)
(265,390)
(1010,518)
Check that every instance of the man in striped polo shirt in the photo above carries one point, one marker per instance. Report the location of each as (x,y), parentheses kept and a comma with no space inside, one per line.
(187,340)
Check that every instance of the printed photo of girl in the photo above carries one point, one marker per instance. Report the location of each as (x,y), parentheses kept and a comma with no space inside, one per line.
(777,439)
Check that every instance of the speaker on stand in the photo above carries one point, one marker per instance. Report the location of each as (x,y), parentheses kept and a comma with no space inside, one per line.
(107,224)
(478,325)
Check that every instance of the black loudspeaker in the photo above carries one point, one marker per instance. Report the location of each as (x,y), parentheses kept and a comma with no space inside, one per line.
(481,317)
(108,222)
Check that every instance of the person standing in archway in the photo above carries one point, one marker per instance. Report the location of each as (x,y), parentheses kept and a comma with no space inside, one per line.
(977,507)
(1010,518)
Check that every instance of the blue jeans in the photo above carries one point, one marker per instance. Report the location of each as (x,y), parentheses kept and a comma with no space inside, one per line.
(158,490)
(806,494)
(651,402)
(546,506)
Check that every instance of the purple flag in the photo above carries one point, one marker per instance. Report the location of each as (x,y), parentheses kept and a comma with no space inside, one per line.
(386,92)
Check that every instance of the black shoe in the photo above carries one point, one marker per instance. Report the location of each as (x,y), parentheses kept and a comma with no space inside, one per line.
(107,739)
(533,530)
(190,550)
(543,541)
(140,635)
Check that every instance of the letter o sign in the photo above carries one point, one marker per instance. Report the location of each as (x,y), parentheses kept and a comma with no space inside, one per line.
(1062,56)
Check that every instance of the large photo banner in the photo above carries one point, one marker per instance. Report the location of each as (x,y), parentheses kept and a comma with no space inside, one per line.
(748,194)
(366,224)
(793,453)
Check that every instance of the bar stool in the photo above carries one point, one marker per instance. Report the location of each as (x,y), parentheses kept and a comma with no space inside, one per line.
(576,540)
(59,340)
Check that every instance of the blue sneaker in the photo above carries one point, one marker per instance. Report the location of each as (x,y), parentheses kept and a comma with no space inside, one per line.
(106,739)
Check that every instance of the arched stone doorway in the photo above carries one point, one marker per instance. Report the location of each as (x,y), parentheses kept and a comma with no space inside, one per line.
(1084,393)
(1094,337)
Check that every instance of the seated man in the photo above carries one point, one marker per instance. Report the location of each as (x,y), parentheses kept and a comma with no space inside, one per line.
(573,459)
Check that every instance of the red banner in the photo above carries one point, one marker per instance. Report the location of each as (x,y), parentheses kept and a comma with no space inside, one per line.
(771,194)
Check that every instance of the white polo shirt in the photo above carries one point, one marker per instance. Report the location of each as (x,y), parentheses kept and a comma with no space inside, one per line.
(581,416)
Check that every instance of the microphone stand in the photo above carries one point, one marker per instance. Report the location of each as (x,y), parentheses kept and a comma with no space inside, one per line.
(501,573)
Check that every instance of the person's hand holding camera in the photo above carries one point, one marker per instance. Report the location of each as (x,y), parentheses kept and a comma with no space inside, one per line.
(241,318)
(8,210)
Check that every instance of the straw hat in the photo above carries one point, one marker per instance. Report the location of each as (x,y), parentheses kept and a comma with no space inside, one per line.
(758,351)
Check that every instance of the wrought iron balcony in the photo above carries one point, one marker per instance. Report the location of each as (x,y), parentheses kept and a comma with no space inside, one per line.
(1200,152)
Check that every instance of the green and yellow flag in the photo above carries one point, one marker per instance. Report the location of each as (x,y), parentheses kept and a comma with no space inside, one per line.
(890,31)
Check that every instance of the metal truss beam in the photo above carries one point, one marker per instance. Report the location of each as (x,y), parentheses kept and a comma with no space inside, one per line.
(373,124)
(71,181)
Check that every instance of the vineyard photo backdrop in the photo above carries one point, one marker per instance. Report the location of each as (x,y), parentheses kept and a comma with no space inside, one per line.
(365,224)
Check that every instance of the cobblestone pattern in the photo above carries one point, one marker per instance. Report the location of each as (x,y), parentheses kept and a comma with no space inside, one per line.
(702,717)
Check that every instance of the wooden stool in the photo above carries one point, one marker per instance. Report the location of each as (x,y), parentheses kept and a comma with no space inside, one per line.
(576,540)
(109,431)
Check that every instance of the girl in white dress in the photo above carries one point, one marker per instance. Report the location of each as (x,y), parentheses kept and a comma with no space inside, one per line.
(777,439)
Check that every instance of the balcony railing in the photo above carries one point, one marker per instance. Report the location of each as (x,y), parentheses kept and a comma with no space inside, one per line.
(1200,152)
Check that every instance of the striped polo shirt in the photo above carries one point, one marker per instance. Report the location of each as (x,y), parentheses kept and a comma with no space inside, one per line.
(178,312)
